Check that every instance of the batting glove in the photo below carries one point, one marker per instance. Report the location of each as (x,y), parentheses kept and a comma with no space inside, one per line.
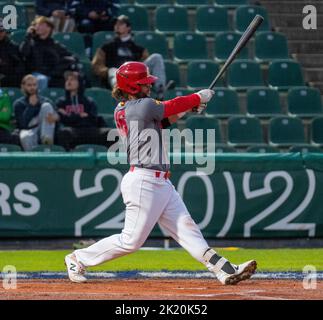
(205,95)
(199,109)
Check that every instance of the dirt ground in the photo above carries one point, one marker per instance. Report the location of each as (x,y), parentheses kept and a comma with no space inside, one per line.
(157,289)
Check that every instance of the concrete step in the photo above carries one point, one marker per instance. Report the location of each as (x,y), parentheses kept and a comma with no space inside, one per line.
(314,74)
(290,6)
(303,46)
(301,34)
(309,60)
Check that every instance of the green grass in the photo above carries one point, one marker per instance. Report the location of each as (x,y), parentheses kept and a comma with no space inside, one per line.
(268,260)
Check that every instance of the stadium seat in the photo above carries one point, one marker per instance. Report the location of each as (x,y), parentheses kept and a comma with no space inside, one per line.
(262,149)
(102,98)
(270,46)
(152,3)
(73,41)
(245,14)
(243,74)
(14,93)
(153,42)
(317,131)
(284,74)
(100,38)
(109,120)
(189,46)
(90,148)
(225,103)
(22,16)
(4,147)
(224,44)
(48,148)
(224,149)
(85,68)
(286,131)
(204,123)
(138,16)
(201,73)
(25,2)
(210,19)
(191,3)
(263,102)
(171,94)
(172,72)
(231,3)
(18,36)
(53,93)
(304,102)
(305,148)
(171,19)
(244,131)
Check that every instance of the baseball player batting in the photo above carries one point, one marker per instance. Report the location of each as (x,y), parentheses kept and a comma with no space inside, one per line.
(148,194)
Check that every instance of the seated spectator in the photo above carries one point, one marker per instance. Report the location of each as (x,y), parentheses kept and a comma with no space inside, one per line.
(121,49)
(6,126)
(11,64)
(58,12)
(35,116)
(94,15)
(45,58)
(79,120)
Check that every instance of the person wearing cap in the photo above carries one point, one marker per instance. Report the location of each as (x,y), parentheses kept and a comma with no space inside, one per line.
(79,122)
(45,58)
(121,49)
(94,15)
(35,116)
(58,12)
(11,64)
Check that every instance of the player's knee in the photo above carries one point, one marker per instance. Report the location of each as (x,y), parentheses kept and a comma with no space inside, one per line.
(131,243)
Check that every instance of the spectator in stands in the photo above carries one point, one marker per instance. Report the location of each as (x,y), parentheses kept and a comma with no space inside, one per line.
(11,64)
(6,126)
(58,12)
(80,123)
(94,15)
(35,116)
(121,49)
(45,58)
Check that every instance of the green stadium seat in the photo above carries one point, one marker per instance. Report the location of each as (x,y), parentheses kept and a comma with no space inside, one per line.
(109,120)
(153,42)
(172,72)
(262,149)
(304,102)
(189,46)
(85,68)
(53,93)
(22,16)
(73,41)
(48,148)
(152,3)
(270,45)
(171,94)
(14,93)
(231,3)
(243,74)
(263,102)
(171,19)
(210,19)
(284,74)
(4,147)
(286,131)
(305,148)
(90,148)
(224,104)
(191,3)
(222,148)
(224,44)
(100,38)
(18,36)
(138,16)
(244,131)
(245,14)
(201,73)
(26,3)
(317,131)
(204,123)
(103,99)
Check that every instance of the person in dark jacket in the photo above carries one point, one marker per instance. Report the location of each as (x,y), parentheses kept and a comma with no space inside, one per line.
(45,58)
(79,120)
(35,116)
(94,15)
(11,64)
(58,12)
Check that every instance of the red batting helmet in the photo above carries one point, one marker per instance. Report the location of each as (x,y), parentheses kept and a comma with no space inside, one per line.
(131,75)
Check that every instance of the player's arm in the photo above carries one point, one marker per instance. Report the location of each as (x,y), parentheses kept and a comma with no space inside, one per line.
(98,64)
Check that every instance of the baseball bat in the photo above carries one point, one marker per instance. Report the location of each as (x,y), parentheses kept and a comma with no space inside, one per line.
(254,24)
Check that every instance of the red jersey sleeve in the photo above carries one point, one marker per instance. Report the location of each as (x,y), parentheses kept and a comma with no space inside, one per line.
(181,104)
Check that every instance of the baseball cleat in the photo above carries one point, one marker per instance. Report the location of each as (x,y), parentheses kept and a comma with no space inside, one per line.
(74,269)
(242,272)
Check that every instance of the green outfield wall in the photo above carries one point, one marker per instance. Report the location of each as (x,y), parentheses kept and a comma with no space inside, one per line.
(247,196)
